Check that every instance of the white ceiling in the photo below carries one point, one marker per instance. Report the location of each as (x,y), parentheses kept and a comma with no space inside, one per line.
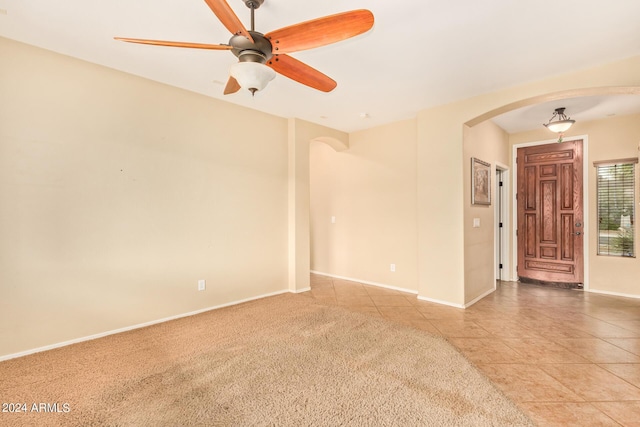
(420,53)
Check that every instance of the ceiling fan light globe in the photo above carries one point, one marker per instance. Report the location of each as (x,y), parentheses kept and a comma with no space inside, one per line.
(252,75)
(560,125)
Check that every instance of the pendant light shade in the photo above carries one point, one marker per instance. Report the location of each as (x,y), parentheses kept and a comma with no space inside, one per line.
(562,122)
(252,75)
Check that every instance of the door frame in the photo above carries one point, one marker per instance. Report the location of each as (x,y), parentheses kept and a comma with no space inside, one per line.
(501,209)
(585,203)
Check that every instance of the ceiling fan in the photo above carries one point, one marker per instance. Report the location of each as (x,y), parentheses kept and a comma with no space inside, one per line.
(260,56)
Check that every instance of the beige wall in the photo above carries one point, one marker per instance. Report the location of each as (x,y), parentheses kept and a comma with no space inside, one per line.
(440,206)
(370,189)
(608,139)
(117,194)
(490,144)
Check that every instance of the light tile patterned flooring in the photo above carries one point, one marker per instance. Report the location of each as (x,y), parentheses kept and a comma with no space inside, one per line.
(565,357)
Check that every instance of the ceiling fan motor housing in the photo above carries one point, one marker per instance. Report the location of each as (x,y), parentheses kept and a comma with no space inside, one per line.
(258,51)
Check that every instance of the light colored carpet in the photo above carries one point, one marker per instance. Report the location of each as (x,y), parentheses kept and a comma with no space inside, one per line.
(280,361)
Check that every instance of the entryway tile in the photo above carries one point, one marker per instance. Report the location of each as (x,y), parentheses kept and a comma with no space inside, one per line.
(487,350)
(598,351)
(626,371)
(626,413)
(460,328)
(528,383)
(391,301)
(592,382)
(632,345)
(553,414)
(541,350)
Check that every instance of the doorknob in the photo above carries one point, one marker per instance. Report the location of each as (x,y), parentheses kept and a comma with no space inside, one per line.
(577,233)
(578,224)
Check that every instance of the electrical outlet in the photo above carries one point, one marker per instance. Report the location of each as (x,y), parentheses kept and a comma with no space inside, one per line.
(202,285)
(393,267)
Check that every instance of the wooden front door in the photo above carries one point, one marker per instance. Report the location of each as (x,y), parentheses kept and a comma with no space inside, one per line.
(550,220)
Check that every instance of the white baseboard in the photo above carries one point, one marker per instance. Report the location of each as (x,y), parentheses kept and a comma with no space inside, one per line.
(614,294)
(366,282)
(475,300)
(299,291)
(129,328)
(450,304)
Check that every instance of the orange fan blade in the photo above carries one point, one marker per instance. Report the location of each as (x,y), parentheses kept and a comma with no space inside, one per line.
(232,86)
(302,73)
(321,31)
(228,18)
(176,44)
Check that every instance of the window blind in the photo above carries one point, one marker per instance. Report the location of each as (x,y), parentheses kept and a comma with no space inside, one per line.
(616,208)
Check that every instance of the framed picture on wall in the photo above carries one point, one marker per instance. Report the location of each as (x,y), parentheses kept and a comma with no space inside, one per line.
(480,182)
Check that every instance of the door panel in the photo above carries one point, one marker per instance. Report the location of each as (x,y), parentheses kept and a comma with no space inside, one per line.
(567,246)
(548,231)
(550,238)
(530,236)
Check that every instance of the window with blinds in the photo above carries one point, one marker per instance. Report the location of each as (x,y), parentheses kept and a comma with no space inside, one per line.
(616,207)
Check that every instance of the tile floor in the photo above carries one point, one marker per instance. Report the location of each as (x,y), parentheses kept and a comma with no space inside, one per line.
(565,357)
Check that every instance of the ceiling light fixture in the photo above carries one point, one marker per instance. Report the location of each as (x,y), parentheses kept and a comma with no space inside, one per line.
(562,123)
(251,73)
